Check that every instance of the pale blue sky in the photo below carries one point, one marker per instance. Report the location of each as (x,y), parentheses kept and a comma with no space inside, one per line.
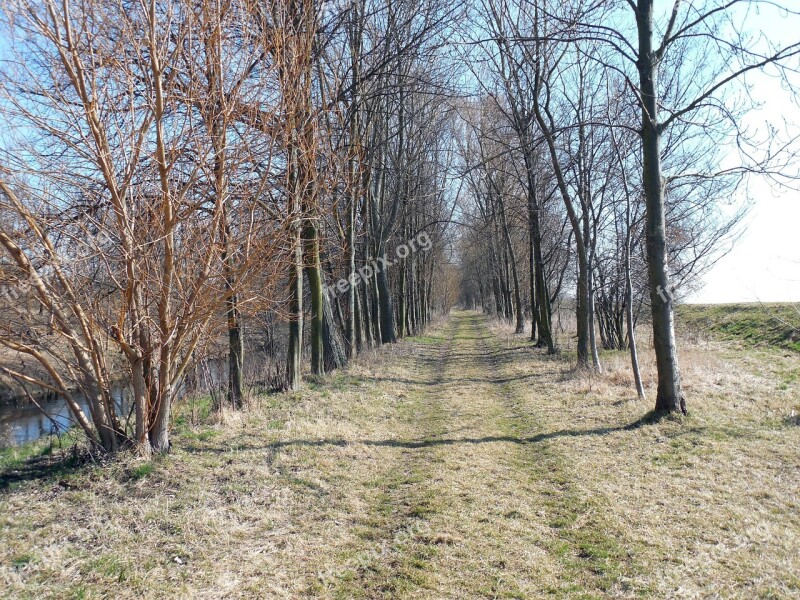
(764,264)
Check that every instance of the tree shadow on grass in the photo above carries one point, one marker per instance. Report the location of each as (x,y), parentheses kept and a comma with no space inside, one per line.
(41,468)
(443,381)
(649,418)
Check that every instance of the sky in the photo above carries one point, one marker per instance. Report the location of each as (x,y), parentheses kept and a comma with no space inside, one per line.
(764,263)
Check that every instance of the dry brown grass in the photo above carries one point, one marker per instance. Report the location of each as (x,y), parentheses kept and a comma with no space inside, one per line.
(462,464)
(709,502)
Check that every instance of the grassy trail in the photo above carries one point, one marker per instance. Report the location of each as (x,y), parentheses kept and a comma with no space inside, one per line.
(463,464)
(492,506)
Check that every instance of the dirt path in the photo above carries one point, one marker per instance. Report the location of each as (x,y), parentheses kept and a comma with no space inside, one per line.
(462,464)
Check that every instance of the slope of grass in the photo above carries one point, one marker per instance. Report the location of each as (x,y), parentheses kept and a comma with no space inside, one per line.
(776,325)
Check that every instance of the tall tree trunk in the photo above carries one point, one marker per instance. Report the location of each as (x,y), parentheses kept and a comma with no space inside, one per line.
(352,332)
(313,271)
(140,404)
(637,377)
(386,304)
(582,310)
(293,362)
(235,395)
(356,25)
(159,429)
(357,320)
(669,397)
(366,312)
(544,315)
(335,354)
(515,274)
(507,302)
(235,354)
(413,313)
(590,309)
(531,279)
(402,301)
(582,292)
(376,311)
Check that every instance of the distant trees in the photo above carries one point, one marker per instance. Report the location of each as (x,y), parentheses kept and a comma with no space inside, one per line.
(613,102)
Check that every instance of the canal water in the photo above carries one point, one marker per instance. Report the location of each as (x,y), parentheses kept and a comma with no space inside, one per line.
(26,422)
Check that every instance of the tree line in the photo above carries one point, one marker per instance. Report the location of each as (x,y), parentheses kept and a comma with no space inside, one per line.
(603,154)
(181,177)
(279,185)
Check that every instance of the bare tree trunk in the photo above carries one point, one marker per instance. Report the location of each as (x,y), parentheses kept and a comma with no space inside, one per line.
(402,304)
(366,313)
(293,362)
(356,25)
(335,354)
(513,260)
(386,304)
(159,429)
(507,301)
(582,310)
(410,308)
(235,354)
(235,394)
(669,397)
(357,321)
(313,271)
(637,376)
(592,333)
(582,292)
(543,316)
(413,312)
(140,405)
(376,310)
(352,332)
(532,278)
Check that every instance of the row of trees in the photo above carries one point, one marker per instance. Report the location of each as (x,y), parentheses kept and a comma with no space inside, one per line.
(267,181)
(173,175)
(601,150)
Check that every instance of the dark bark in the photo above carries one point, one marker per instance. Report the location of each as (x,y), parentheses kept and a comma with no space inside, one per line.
(669,397)
(235,355)
(386,305)
(313,272)
(542,294)
(159,428)
(293,361)
(334,347)
(520,315)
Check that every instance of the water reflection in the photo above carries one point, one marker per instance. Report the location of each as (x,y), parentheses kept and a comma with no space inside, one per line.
(26,423)
(23,424)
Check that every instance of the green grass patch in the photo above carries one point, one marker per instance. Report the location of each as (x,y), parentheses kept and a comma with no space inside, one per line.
(191,412)
(429,340)
(20,561)
(16,456)
(764,325)
(142,471)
